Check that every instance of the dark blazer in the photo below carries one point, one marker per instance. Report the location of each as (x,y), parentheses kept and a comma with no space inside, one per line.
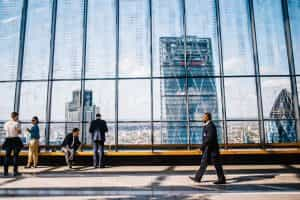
(210,137)
(99,125)
(69,140)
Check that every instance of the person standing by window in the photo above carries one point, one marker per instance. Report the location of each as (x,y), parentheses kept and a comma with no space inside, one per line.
(34,134)
(12,142)
(98,128)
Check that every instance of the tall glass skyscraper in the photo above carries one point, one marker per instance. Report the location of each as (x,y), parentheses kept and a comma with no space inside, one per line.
(177,53)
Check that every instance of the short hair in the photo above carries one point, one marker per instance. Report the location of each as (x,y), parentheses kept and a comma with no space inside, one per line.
(36,119)
(14,114)
(98,115)
(208,114)
(75,130)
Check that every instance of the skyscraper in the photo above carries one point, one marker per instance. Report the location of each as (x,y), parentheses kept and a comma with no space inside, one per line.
(282,128)
(181,57)
(73,112)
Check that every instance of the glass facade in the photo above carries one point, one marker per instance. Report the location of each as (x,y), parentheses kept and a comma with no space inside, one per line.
(152,68)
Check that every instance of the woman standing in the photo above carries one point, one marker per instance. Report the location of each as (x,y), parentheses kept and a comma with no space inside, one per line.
(33,153)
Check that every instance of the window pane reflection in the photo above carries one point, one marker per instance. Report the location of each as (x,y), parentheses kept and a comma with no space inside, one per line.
(37,45)
(201,44)
(99,98)
(7,99)
(204,96)
(243,132)
(236,37)
(33,100)
(65,104)
(167,25)
(277,98)
(134,38)
(170,133)
(280,131)
(134,100)
(294,14)
(68,40)
(101,39)
(241,99)
(10,19)
(270,37)
(169,99)
(134,133)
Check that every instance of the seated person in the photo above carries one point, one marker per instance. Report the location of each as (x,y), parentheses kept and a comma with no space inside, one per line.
(70,145)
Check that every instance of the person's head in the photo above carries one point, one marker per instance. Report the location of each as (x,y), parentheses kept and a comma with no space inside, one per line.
(98,116)
(206,117)
(15,116)
(35,120)
(76,131)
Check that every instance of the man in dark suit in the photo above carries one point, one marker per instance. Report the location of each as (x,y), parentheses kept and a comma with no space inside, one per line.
(70,145)
(98,128)
(210,151)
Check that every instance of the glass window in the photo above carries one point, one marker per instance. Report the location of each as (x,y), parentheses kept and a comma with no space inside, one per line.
(7,100)
(134,100)
(241,99)
(68,40)
(204,96)
(2,133)
(243,132)
(65,104)
(294,14)
(33,101)
(101,39)
(170,133)
(169,98)
(280,131)
(100,98)
(168,38)
(134,38)
(134,133)
(271,46)
(196,132)
(236,37)
(202,43)
(58,131)
(277,98)
(10,19)
(37,41)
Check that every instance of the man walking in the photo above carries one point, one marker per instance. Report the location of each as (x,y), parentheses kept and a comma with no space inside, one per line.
(98,128)
(12,142)
(210,151)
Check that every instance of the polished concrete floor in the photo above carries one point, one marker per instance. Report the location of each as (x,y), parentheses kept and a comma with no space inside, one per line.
(158,182)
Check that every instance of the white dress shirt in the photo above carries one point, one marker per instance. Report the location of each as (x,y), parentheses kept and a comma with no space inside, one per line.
(11,128)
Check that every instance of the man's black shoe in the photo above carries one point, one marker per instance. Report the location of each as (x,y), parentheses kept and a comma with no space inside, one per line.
(17,174)
(193,179)
(6,174)
(220,182)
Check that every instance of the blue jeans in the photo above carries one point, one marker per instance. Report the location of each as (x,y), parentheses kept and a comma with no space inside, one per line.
(98,158)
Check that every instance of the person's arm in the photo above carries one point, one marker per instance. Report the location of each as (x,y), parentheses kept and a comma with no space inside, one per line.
(105,127)
(91,129)
(18,128)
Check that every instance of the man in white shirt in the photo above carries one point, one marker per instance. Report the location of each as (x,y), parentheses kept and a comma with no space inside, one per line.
(12,142)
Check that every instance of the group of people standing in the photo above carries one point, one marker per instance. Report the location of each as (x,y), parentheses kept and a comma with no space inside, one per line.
(13,143)
(98,128)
